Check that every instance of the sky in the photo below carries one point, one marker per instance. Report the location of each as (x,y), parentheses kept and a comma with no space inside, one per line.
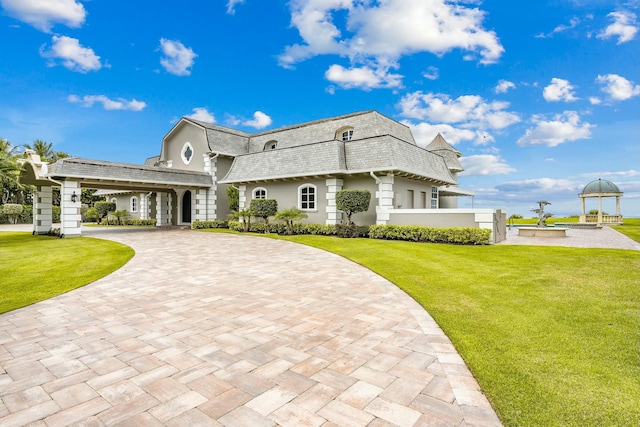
(540,97)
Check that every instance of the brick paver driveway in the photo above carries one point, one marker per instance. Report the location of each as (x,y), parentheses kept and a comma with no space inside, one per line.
(218,329)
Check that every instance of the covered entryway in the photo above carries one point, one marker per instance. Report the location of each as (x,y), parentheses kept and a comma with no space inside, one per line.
(73,173)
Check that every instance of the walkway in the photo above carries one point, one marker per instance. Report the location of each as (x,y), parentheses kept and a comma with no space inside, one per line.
(218,329)
(603,238)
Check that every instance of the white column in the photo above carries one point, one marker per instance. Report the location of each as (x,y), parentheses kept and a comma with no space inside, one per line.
(385,198)
(163,209)
(583,215)
(211,199)
(599,209)
(42,210)
(200,206)
(70,218)
(334,216)
(144,206)
(242,198)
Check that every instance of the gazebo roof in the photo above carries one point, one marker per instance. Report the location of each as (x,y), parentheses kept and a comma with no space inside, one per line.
(601,186)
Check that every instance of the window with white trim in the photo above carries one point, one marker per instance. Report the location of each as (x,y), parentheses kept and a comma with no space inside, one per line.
(307,197)
(134,204)
(434,197)
(344,133)
(260,193)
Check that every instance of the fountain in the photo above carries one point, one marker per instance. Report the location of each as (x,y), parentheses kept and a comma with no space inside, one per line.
(541,230)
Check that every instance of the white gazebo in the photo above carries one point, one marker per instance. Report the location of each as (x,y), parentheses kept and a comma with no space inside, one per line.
(601,188)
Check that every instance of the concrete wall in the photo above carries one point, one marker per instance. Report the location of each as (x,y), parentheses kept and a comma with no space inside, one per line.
(401,187)
(492,219)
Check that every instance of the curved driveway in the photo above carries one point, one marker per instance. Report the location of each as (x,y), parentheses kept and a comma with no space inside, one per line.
(217,329)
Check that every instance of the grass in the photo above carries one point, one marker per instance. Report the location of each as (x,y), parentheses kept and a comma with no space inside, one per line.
(551,333)
(631,228)
(35,268)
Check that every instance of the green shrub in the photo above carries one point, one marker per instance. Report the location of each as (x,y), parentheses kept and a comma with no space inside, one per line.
(264,208)
(233,198)
(91,215)
(200,225)
(353,201)
(13,211)
(415,233)
(290,216)
(103,209)
(55,214)
(352,230)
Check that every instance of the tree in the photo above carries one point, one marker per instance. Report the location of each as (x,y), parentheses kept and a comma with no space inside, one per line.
(264,208)
(289,216)
(10,189)
(13,211)
(42,149)
(103,209)
(233,197)
(353,201)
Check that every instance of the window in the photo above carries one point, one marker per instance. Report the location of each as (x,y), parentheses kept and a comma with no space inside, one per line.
(134,204)
(434,197)
(307,197)
(187,153)
(271,145)
(260,193)
(344,133)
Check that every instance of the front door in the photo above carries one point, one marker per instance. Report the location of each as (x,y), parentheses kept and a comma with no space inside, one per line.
(186,206)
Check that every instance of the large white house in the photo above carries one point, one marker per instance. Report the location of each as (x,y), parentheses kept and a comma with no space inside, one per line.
(302,166)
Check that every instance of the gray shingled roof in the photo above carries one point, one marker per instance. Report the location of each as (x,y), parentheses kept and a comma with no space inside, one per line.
(440,146)
(313,159)
(383,153)
(116,173)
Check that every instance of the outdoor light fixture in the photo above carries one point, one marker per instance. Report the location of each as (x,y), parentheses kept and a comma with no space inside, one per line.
(74,197)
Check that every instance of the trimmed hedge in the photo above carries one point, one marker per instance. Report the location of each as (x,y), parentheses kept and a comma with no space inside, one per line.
(415,233)
(129,221)
(201,225)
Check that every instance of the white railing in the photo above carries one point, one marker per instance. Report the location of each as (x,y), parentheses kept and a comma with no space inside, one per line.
(606,219)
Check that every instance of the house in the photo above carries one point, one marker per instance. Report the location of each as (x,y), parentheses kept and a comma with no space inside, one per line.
(302,166)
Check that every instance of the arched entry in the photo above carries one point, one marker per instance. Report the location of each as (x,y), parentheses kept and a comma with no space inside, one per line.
(186,206)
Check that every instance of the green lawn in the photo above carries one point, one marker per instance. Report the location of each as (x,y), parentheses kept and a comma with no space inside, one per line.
(631,228)
(35,268)
(551,333)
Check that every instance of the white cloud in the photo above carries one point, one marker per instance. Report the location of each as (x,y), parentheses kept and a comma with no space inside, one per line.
(44,14)
(624,27)
(484,165)
(469,110)
(562,128)
(177,58)
(71,54)
(503,86)
(108,104)
(432,73)
(364,77)
(203,115)
(573,23)
(260,120)
(424,133)
(559,90)
(382,32)
(594,100)
(542,186)
(617,87)
(231,6)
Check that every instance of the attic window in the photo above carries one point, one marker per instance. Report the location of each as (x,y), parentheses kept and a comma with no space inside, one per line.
(187,153)
(271,145)
(344,133)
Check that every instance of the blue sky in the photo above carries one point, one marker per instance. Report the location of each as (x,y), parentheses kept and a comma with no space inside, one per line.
(540,97)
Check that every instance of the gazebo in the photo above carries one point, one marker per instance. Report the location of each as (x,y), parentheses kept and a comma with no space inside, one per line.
(601,188)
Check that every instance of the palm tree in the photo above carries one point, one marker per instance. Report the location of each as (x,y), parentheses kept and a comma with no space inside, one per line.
(43,149)
(9,171)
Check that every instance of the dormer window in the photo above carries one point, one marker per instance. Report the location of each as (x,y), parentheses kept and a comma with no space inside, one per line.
(344,133)
(271,145)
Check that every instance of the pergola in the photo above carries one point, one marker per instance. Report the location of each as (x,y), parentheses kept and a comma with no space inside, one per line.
(601,188)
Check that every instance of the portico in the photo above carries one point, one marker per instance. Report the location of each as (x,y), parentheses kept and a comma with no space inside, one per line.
(73,173)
